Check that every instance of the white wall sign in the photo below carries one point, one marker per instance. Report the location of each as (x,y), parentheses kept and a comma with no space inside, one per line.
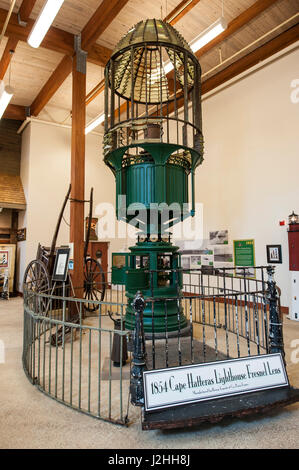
(176,386)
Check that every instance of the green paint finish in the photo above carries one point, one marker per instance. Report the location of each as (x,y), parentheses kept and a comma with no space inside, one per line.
(156,176)
(134,271)
(154,184)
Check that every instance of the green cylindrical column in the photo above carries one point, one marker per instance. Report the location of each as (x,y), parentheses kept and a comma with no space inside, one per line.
(159,283)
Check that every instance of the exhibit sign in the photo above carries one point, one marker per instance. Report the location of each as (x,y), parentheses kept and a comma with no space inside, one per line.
(61,265)
(166,388)
(244,253)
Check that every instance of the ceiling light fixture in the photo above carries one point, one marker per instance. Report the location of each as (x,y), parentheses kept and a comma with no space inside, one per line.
(95,123)
(209,34)
(204,38)
(6,94)
(44,21)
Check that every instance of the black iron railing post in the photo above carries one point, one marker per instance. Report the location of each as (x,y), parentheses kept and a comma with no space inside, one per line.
(139,353)
(275,322)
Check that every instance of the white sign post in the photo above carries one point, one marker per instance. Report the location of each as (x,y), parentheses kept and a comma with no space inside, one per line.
(177,386)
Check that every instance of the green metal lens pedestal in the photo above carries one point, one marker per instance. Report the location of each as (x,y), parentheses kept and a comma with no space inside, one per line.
(154,272)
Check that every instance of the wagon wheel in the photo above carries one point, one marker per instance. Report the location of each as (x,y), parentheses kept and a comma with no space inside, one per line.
(94,284)
(37,280)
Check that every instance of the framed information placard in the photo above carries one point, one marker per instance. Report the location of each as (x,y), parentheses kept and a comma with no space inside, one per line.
(177,386)
(244,255)
(274,255)
(61,265)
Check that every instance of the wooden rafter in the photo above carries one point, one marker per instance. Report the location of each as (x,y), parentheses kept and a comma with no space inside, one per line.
(24,13)
(101,19)
(16,112)
(237,23)
(55,40)
(6,56)
(49,89)
(95,92)
(272,47)
(181,10)
(26,9)
(263,52)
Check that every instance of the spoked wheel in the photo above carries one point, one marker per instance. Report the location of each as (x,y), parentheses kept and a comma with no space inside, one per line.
(37,281)
(94,284)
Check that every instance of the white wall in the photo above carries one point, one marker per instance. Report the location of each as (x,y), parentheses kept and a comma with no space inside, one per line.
(247,183)
(249,179)
(23,215)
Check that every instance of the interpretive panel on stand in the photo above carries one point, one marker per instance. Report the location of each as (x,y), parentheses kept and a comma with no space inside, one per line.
(176,386)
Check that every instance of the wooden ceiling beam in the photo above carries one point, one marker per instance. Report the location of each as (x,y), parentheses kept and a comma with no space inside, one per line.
(25,9)
(58,77)
(98,55)
(100,20)
(237,23)
(15,112)
(95,92)
(181,10)
(24,13)
(55,40)
(263,52)
(52,85)
(6,56)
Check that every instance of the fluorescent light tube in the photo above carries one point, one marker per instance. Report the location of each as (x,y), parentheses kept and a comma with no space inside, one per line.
(6,94)
(209,34)
(95,123)
(206,36)
(44,21)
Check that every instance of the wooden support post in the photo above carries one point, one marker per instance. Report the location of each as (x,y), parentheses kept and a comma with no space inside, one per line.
(78,169)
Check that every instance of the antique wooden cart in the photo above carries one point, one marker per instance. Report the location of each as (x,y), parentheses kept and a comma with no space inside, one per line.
(38,274)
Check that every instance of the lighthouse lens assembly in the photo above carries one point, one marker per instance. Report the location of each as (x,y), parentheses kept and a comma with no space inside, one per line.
(153,153)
